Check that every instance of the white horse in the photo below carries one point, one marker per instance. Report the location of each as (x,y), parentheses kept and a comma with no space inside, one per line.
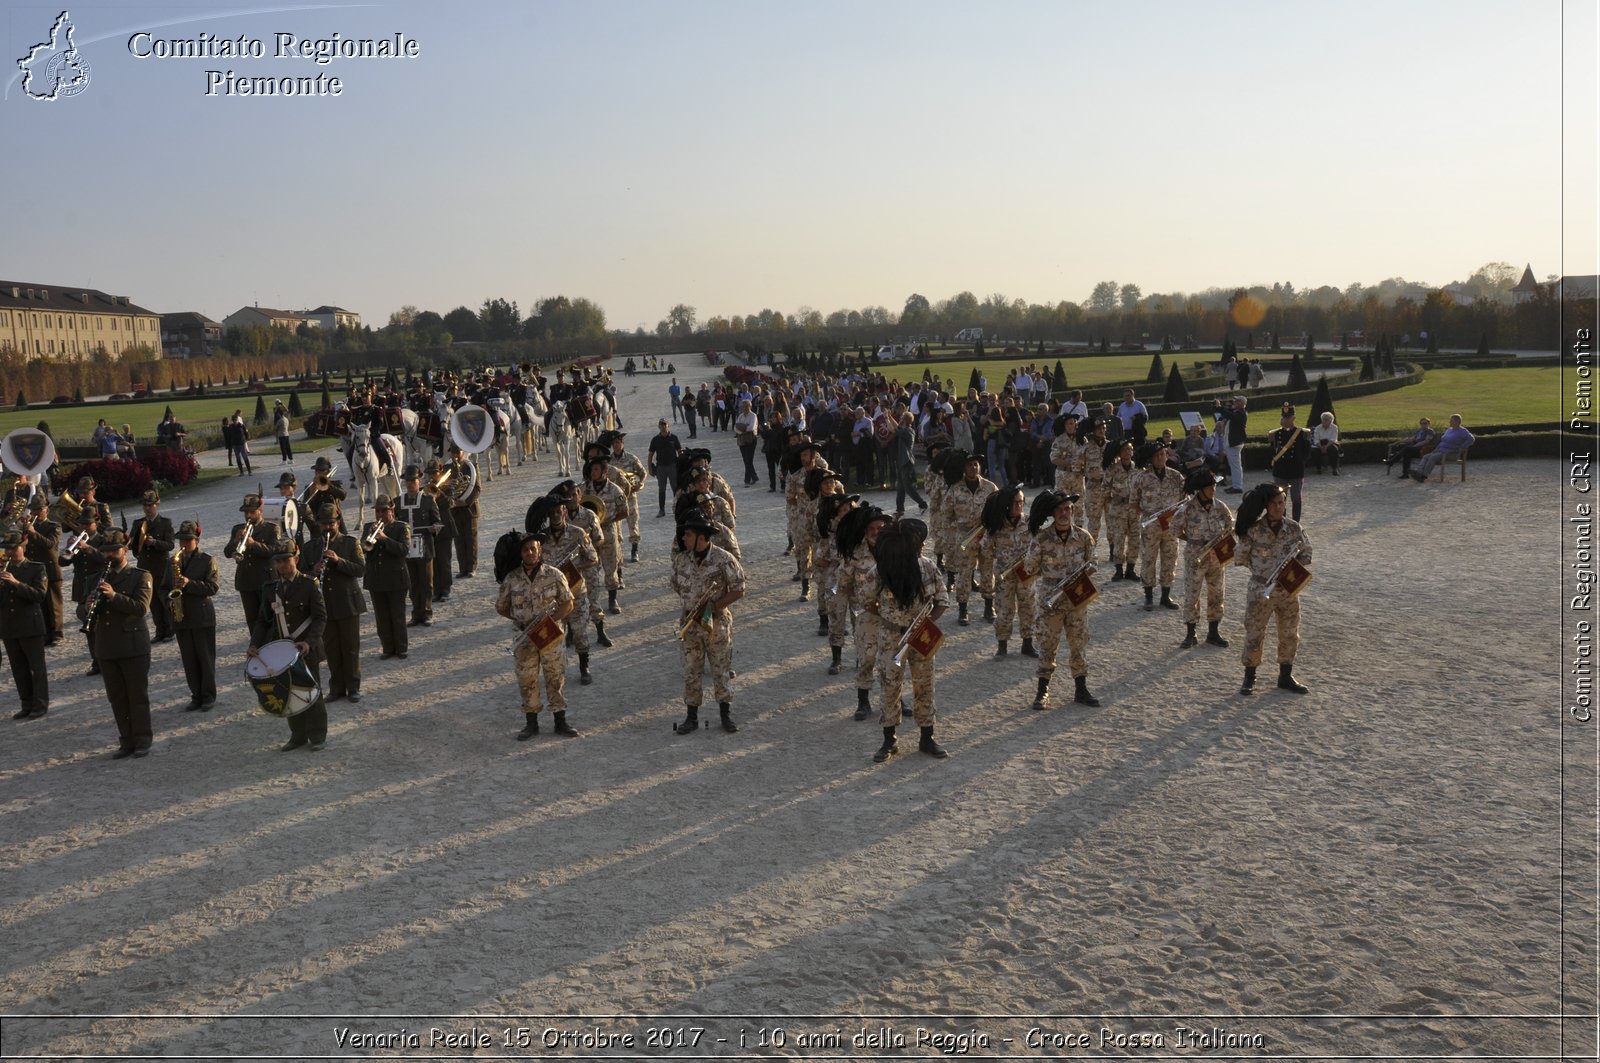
(527,422)
(561,438)
(364,462)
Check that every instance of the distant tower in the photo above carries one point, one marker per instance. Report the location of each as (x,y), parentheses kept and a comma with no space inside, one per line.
(1527,288)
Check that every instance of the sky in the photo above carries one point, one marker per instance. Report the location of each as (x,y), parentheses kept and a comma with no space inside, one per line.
(737,156)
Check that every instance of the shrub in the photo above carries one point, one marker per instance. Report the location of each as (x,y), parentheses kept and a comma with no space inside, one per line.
(295,409)
(117,480)
(1483,343)
(261,410)
(1060,382)
(1323,403)
(172,466)
(44,426)
(22,399)
(972,381)
(77,394)
(1366,367)
(327,399)
(1158,372)
(1297,374)
(1176,391)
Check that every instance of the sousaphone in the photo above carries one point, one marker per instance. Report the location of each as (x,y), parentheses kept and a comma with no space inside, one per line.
(28,451)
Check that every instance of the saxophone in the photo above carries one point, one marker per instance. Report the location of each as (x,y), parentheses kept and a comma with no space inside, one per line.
(175,595)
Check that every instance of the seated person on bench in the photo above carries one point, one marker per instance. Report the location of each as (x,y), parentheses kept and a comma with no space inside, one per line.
(1453,442)
(1407,450)
(1325,443)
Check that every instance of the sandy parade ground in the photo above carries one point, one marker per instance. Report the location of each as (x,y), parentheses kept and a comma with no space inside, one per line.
(1373,869)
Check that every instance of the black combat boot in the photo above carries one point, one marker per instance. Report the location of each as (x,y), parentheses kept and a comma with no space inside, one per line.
(822,624)
(1214,637)
(1166,598)
(564,728)
(1000,648)
(1286,680)
(1027,648)
(726,711)
(1189,639)
(889,747)
(988,610)
(838,660)
(949,580)
(1249,685)
(1149,599)
(1116,573)
(1041,700)
(1129,574)
(635,555)
(927,745)
(691,721)
(584,678)
(805,589)
(1080,692)
(530,728)
(611,603)
(600,635)
(962,619)
(863,704)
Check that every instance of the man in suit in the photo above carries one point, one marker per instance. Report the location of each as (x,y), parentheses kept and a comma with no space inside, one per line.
(23,589)
(417,510)
(342,564)
(44,547)
(253,555)
(194,618)
(151,542)
(385,541)
(464,511)
(292,608)
(122,643)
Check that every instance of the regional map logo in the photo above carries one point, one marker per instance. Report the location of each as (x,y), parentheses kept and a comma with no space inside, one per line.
(54,69)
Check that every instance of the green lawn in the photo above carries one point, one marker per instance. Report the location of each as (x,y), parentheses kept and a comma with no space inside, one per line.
(77,423)
(1093,371)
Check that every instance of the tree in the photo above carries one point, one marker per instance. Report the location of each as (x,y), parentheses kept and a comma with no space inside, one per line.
(972,381)
(77,394)
(1105,345)
(1060,383)
(1297,374)
(167,415)
(22,399)
(917,311)
(1176,391)
(462,324)
(1366,367)
(500,320)
(327,399)
(261,409)
(1483,344)
(1323,403)
(1311,343)
(1158,372)
(1130,296)
(1103,299)
(681,320)
(295,409)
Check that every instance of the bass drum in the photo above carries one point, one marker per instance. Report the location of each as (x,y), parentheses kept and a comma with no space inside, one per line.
(284,684)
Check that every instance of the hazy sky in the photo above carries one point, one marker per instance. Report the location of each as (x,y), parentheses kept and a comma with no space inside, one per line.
(736,156)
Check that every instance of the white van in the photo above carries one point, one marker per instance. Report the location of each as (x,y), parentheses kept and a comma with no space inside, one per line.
(969,335)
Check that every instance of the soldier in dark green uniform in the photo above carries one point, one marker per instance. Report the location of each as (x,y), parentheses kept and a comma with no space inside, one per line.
(385,541)
(194,617)
(254,556)
(122,643)
(338,563)
(24,587)
(417,510)
(151,541)
(44,547)
(293,602)
(464,511)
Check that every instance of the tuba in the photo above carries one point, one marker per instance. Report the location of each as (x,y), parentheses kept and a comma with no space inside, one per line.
(596,505)
(71,510)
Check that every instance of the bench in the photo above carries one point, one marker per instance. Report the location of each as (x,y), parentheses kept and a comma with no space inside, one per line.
(1454,457)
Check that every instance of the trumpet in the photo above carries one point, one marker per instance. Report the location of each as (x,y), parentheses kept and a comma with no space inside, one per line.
(702,612)
(70,551)
(371,538)
(439,479)
(1166,515)
(175,595)
(911,629)
(1053,599)
(1205,551)
(1272,580)
(244,541)
(527,633)
(972,540)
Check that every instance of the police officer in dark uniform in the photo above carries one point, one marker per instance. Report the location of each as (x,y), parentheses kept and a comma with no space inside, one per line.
(44,547)
(151,541)
(254,556)
(338,562)
(194,619)
(303,616)
(385,541)
(24,588)
(122,643)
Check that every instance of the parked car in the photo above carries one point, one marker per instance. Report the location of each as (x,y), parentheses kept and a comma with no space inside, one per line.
(120,397)
(61,400)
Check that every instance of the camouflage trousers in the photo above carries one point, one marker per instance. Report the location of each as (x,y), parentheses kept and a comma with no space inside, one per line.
(838,611)
(593,584)
(1123,522)
(1095,507)
(578,620)
(700,648)
(891,677)
(1075,623)
(610,555)
(1209,573)
(804,535)
(964,563)
(867,625)
(824,575)
(1165,545)
(1261,610)
(549,666)
(633,518)
(1012,599)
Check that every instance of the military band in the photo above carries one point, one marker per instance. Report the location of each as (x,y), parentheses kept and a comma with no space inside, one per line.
(386,541)
(1061,553)
(1158,492)
(416,510)
(115,617)
(1006,531)
(194,583)
(24,589)
(973,558)
(43,547)
(151,541)
(707,580)
(1268,542)
(907,594)
(292,608)
(250,547)
(1202,527)
(536,599)
(338,563)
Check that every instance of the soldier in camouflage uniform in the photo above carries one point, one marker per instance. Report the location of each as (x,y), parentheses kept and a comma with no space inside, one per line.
(625,465)
(1057,552)
(802,509)
(1156,489)
(705,576)
(532,591)
(834,617)
(938,446)
(1066,454)
(1266,539)
(1122,511)
(568,547)
(856,535)
(1204,519)
(904,585)
(1008,538)
(597,482)
(1092,467)
(585,518)
(963,506)
(823,553)
(710,506)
